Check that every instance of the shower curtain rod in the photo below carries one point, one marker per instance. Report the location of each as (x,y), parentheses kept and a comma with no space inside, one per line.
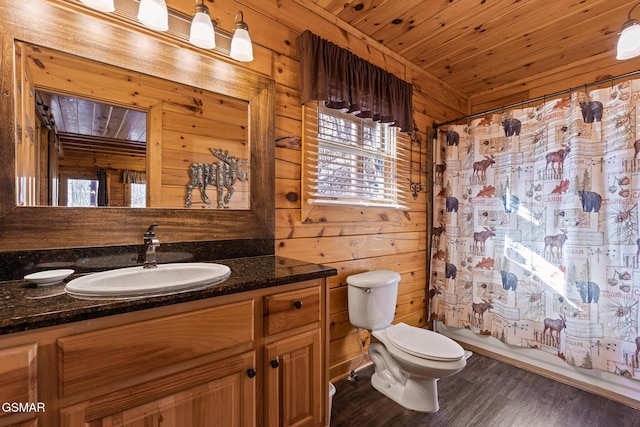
(539,98)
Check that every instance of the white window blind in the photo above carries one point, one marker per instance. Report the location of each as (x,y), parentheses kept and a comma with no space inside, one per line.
(351,161)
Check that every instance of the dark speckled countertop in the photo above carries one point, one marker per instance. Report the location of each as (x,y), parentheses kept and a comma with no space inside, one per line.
(23,306)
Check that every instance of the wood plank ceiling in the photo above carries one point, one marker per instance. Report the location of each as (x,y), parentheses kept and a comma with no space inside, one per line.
(478,45)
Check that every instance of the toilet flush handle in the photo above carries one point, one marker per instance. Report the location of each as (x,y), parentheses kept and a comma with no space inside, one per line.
(367,291)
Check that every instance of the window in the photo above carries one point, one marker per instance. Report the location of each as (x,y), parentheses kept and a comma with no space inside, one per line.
(82,192)
(350,160)
(139,195)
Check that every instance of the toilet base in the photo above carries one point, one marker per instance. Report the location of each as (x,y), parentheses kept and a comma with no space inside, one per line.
(419,395)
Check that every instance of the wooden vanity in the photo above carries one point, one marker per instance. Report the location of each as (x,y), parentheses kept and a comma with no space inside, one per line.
(254,357)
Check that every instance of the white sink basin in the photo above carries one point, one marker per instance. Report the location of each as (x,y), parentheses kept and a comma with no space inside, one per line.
(138,282)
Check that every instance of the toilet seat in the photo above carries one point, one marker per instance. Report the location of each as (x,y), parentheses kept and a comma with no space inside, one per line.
(423,343)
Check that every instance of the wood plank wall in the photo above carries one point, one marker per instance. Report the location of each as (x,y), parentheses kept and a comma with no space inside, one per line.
(355,240)
(352,240)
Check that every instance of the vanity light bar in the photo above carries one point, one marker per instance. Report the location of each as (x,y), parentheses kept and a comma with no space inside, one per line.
(179,25)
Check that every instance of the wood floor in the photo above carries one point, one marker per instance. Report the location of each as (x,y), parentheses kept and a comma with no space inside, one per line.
(486,393)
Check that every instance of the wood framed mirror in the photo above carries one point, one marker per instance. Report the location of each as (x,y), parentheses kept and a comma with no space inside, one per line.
(63,28)
(82,128)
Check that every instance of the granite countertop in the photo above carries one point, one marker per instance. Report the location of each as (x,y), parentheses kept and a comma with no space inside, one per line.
(23,306)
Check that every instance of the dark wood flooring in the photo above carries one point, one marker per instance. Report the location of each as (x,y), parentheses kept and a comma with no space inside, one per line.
(486,393)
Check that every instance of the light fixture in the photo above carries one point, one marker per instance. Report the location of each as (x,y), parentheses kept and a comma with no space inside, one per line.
(202,34)
(629,41)
(101,5)
(241,48)
(154,14)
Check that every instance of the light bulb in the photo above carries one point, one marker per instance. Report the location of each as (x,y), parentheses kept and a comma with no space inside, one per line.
(154,14)
(202,34)
(101,5)
(629,41)
(241,47)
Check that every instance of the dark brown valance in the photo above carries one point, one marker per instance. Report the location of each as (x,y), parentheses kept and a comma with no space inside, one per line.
(343,80)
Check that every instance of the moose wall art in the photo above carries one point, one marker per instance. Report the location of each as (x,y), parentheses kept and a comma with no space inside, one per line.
(221,174)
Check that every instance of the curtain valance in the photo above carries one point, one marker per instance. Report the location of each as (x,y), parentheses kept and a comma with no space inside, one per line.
(133,177)
(345,81)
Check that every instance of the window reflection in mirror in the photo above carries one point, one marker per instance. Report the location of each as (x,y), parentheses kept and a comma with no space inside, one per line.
(135,135)
(82,192)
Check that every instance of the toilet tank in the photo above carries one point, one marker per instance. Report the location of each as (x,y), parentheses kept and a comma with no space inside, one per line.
(372,298)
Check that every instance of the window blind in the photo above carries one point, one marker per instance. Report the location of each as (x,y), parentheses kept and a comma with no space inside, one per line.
(351,160)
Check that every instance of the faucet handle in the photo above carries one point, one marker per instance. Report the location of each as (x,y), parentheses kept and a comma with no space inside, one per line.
(151,230)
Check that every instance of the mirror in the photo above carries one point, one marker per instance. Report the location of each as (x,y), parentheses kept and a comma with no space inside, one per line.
(84,130)
(66,27)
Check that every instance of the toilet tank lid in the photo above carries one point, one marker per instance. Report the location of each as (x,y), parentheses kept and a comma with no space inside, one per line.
(373,279)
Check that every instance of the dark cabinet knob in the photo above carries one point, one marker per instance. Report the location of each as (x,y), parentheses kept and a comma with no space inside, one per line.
(275,363)
(251,373)
(298,304)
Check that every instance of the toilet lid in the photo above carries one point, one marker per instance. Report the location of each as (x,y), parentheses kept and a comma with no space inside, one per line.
(424,343)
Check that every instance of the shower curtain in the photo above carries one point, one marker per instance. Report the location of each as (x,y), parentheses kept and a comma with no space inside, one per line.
(535,239)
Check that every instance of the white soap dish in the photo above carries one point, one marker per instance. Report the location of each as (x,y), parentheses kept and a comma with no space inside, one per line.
(49,277)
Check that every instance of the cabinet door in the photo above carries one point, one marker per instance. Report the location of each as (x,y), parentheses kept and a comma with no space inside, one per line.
(221,394)
(294,389)
(18,384)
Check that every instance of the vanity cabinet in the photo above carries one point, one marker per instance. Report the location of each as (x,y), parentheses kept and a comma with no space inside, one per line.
(245,359)
(293,358)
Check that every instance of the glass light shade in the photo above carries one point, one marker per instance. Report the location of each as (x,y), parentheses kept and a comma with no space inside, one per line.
(629,41)
(241,47)
(154,14)
(101,5)
(202,34)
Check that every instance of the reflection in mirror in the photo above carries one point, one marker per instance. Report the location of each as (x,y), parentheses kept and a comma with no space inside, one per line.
(91,134)
(96,152)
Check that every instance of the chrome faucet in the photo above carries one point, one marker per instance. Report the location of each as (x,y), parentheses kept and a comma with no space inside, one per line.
(147,254)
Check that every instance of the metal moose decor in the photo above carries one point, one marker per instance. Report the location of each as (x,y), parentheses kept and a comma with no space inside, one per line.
(222,174)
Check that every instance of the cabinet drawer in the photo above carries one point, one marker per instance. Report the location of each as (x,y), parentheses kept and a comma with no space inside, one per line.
(18,375)
(98,358)
(289,310)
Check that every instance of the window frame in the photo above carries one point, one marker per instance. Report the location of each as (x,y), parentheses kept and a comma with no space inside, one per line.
(388,153)
(67,186)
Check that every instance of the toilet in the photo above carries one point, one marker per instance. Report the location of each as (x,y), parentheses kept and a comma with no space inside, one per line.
(408,360)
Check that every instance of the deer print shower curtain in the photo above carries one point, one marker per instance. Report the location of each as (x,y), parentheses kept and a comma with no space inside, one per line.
(536,240)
